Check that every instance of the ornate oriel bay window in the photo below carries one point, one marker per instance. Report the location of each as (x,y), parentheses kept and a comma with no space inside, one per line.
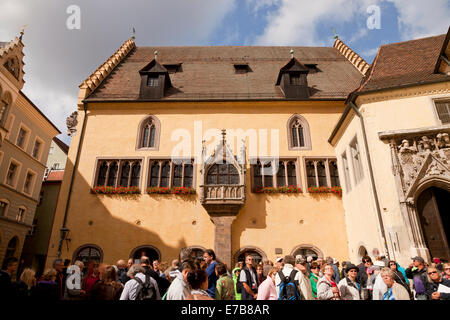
(265,174)
(321,172)
(166,173)
(118,173)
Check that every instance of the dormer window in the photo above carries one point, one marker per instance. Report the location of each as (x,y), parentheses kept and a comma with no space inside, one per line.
(293,81)
(155,81)
(241,68)
(152,80)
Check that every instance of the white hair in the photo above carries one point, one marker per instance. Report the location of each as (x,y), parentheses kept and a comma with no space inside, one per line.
(134,270)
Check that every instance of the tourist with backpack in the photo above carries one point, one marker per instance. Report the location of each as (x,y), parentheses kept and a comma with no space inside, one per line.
(140,286)
(304,283)
(327,289)
(248,280)
(287,281)
(418,273)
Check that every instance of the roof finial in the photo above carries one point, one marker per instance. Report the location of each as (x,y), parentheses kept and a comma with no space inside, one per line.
(22,31)
(133,34)
(156,54)
(292,53)
(335,34)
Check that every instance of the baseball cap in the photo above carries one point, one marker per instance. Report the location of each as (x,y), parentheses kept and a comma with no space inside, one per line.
(300,259)
(279,259)
(420,259)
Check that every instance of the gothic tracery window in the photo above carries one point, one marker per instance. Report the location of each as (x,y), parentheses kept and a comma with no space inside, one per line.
(148,133)
(298,133)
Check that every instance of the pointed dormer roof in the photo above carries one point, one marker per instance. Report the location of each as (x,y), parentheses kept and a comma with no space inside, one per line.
(11,60)
(292,66)
(155,67)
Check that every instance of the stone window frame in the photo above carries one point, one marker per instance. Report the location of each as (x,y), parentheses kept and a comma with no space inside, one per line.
(40,149)
(32,182)
(21,214)
(357,165)
(18,170)
(152,159)
(7,206)
(346,171)
(445,99)
(27,136)
(306,133)
(327,170)
(253,164)
(98,163)
(141,128)
(84,246)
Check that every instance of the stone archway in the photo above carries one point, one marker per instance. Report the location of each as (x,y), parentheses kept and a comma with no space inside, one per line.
(258,254)
(433,211)
(306,250)
(149,251)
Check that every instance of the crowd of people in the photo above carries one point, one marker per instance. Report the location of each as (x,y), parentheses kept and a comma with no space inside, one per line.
(206,278)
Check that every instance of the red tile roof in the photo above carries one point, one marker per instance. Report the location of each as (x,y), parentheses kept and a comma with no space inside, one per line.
(405,63)
(55,175)
(208,73)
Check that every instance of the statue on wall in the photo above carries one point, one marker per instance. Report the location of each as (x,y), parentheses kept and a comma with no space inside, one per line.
(71,122)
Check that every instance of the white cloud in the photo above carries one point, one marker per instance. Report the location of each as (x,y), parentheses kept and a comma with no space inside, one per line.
(296,22)
(57,60)
(418,18)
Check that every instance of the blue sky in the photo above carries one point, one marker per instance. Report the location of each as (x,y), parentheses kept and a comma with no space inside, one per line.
(58,59)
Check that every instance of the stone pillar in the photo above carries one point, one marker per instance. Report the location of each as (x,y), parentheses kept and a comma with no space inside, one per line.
(222,237)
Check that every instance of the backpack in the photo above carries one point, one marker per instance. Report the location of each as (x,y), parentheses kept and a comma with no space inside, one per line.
(145,290)
(288,287)
(238,286)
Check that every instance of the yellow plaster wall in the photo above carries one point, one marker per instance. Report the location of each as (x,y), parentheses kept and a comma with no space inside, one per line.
(266,221)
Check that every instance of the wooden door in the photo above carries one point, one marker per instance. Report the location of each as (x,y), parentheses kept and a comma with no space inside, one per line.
(434,215)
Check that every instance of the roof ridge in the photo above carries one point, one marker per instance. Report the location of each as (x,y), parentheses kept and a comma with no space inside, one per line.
(94,80)
(352,56)
(412,40)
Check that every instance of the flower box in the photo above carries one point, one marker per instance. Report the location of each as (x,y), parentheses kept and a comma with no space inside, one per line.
(289,189)
(335,190)
(173,190)
(115,190)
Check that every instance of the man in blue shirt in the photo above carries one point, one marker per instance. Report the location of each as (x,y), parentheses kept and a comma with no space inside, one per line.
(210,258)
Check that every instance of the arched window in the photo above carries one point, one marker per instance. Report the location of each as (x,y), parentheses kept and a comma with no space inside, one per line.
(148,136)
(151,252)
(165,175)
(220,174)
(10,250)
(310,174)
(298,133)
(291,172)
(334,175)
(112,177)
(322,174)
(257,254)
(88,253)
(135,174)
(281,175)
(188,175)
(126,168)
(154,174)
(4,204)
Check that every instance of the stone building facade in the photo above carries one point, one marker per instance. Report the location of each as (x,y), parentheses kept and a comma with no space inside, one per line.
(237,134)
(25,137)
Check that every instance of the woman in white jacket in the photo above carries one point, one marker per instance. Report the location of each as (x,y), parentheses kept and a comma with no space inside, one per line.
(349,289)
(327,289)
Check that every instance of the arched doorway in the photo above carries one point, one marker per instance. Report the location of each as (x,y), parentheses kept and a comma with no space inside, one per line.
(257,254)
(149,251)
(362,252)
(433,209)
(10,250)
(307,250)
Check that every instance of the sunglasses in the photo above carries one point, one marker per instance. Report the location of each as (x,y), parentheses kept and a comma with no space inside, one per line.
(446,268)
(432,272)
(314,268)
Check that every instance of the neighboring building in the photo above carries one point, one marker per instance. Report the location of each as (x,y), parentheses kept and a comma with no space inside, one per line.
(141,105)
(25,135)
(34,253)
(394,159)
